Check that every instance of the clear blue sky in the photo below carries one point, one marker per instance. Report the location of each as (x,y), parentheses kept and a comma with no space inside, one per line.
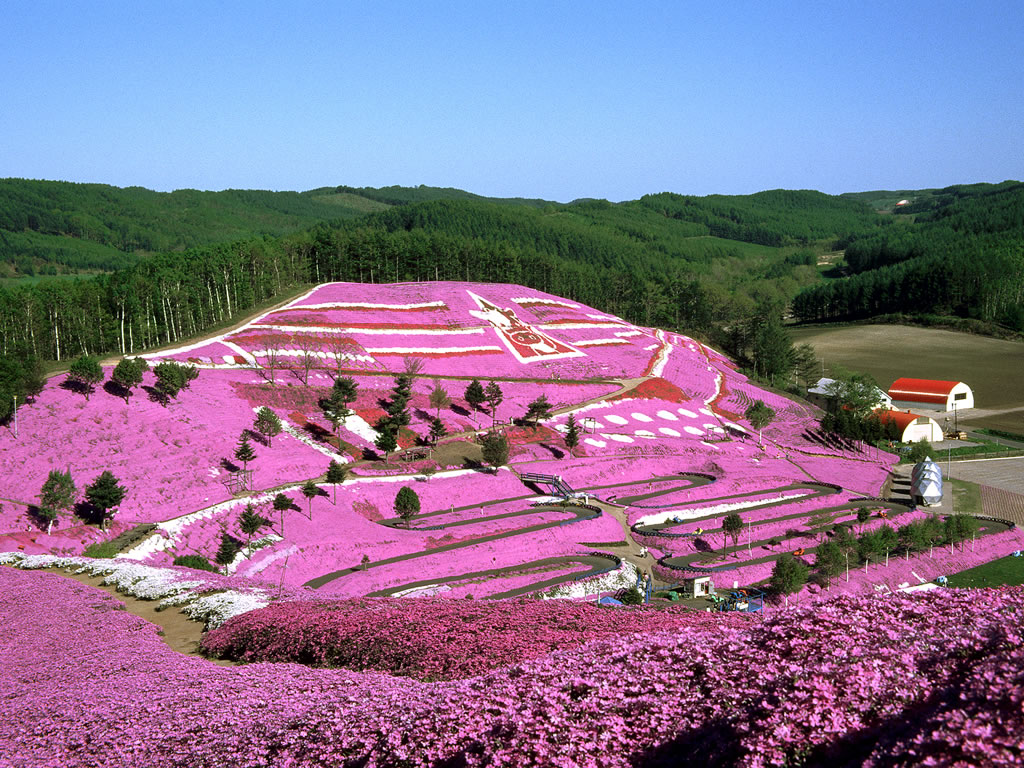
(557,100)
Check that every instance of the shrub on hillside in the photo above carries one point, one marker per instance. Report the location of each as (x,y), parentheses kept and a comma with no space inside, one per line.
(198,562)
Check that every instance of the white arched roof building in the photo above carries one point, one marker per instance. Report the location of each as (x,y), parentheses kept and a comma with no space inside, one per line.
(913,428)
(931,394)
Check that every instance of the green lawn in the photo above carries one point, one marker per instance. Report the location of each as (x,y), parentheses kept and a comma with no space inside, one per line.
(966,497)
(1007,570)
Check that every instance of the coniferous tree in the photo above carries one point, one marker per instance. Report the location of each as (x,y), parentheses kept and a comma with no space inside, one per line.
(267,424)
(310,491)
(475,395)
(105,494)
(336,473)
(572,433)
(407,504)
(250,521)
(229,547)
(437,430)
(537,410)
(282,504)
(494,397)
(244,452)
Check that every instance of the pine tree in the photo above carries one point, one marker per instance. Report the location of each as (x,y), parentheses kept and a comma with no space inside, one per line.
(105,494)
(537,410)
(572,433)
(57,495)
(788,575)
(437,430)
(310,491)
(494,399)
(244,452)
(267,424)
(407,504)
(387,435)
(336,473)
(282,504)
(229,547)
(475,395)
(336,405)
(250,521)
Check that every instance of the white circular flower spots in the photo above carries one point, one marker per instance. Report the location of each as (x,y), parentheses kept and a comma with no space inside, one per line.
(669,431)
(619,438)
(616,420)
(645,433)
(595,443)
(667,416)
(694,430)
(641,417)
(687,414)
(706,412)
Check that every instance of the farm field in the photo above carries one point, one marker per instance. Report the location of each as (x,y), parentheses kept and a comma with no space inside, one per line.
(432,616)
(991,367)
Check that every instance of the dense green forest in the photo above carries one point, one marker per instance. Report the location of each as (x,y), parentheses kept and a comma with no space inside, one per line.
(963,257)
(50,227)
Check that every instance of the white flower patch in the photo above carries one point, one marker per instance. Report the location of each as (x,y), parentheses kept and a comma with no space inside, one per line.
(624,577)
(570,326)
(249,359)
(214,610)
(706,412)
(717,509)
(670,432)
(688,414)
(613,419)
(595,443)
(618,438)
(318,354)
(694,430)
(305,439)
(667,416)
(650,348)
(662,359)
(629,333)
(315,329)
(641,417)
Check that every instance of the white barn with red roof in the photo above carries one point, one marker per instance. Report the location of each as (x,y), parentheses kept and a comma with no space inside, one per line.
(913,428)
(931,395)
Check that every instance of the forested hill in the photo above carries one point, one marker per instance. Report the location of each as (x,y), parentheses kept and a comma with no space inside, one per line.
(962,256)
(51,227)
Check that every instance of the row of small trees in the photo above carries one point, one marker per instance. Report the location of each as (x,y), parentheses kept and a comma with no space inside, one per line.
(171,377)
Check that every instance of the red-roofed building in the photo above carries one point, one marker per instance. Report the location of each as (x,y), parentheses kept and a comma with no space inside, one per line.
(931,395)
(913,428)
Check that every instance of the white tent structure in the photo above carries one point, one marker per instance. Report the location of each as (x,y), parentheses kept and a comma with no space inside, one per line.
(926,483)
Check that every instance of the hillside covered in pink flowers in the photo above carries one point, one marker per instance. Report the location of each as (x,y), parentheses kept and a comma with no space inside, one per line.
(368,637)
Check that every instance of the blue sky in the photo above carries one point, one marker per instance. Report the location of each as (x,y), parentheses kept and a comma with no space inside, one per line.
(556,100)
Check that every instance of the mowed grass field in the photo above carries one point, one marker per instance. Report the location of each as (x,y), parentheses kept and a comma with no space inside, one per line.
(993,368)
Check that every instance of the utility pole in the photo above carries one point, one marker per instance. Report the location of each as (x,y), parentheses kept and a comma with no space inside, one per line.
(15,417)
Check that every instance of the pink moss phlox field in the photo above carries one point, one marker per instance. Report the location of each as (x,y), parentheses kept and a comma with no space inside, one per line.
(936,679)
(437,639)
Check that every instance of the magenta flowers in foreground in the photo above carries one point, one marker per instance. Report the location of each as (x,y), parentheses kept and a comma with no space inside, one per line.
(929,679)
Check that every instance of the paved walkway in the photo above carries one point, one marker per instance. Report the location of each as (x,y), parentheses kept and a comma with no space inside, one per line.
(1005,474)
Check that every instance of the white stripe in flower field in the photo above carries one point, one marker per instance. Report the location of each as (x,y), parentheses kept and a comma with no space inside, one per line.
(552,302)
(310,329)
(568,326)
(659,363)
(238,350)
(319,354)
(430,350)
(597,342)
(368,305)
(629,333)
(688,514)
